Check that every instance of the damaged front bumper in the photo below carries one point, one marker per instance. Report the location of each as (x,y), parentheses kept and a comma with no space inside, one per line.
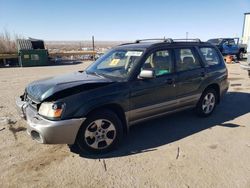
(47,131)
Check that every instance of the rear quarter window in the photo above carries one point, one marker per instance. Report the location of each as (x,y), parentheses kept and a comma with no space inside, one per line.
(210,56)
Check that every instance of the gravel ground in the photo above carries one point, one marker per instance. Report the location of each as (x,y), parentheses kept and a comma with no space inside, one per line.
(180,150)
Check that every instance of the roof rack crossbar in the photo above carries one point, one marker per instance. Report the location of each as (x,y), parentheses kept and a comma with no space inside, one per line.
(167,40)
(163,39)
(187,40)
(126,43)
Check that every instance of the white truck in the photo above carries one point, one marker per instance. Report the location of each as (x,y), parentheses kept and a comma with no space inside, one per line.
(246,64)
(246,29)
(246,40)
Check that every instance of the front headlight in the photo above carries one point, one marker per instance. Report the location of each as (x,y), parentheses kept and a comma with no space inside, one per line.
(51,109)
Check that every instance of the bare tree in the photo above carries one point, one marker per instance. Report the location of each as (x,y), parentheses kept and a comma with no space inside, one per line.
(7,42)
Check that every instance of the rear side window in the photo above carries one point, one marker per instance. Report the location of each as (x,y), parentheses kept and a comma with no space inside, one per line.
(210,56)
(186,60)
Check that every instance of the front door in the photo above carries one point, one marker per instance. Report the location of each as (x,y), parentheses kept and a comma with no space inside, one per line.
(230,47)
(156,95)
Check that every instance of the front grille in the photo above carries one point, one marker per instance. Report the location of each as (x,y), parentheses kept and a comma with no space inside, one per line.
(31,102)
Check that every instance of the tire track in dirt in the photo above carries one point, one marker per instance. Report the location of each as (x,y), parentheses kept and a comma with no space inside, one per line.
(43,159)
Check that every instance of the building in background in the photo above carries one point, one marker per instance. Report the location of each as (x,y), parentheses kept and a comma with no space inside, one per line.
(246,28)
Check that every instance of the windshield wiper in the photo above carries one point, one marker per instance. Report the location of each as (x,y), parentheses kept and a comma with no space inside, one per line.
(96,74)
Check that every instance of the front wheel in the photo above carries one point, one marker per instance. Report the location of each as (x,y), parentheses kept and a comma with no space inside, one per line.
(240,55)
(207,103)
(101,132)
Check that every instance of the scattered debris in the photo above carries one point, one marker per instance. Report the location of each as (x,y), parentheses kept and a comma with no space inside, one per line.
(7,120)
(11,122)
(178,153)
(214,146)
(235,79)
(2,129)
(235,73)
(238,88)
(3,119)
(15,130)
(235,85)
(104,164)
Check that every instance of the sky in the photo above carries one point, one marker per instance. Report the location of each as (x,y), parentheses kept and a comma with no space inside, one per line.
(121,20)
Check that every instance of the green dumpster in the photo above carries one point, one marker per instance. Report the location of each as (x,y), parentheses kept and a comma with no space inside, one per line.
(32,52)
(29,58)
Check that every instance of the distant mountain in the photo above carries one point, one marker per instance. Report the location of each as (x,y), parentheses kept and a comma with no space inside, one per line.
(81,44)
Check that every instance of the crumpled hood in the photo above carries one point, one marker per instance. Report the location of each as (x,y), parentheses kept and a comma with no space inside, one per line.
(45,88)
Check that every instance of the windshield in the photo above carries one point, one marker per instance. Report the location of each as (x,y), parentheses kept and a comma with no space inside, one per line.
(214,41)
(117,63)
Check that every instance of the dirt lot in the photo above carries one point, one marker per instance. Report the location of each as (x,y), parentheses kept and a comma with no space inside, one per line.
(180,150)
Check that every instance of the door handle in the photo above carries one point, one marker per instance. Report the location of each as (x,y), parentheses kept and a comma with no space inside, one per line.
(169,81)
(203,74)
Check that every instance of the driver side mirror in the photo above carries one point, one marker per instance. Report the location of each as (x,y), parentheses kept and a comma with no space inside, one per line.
(147,74)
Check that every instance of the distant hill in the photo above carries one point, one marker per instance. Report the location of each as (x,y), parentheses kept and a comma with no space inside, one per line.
(69,45)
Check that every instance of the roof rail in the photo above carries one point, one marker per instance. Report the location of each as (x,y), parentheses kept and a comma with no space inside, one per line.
(168,40)
(187,40)
(163,40)
(126,43)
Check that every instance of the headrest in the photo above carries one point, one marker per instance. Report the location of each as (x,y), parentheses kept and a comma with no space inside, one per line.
(188,60)
(161,59)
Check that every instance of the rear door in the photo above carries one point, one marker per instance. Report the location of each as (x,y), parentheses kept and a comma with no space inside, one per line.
(190,75)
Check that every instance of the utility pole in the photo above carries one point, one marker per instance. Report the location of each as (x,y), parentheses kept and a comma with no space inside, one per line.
(93,46)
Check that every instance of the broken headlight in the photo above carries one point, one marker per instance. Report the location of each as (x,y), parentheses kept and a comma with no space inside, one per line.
(51,109)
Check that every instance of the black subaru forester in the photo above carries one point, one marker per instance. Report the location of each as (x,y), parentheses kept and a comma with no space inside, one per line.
(93,108)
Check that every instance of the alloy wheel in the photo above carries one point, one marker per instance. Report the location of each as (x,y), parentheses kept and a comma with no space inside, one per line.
(208,103)
(100,134)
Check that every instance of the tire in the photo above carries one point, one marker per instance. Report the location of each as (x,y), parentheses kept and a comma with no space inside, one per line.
(240,56)
(207,103)
(101,132)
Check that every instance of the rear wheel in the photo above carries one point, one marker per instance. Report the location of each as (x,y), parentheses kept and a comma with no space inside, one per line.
(207,103)
(100,133)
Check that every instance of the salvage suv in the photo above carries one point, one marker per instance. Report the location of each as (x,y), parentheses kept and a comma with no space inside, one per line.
(93,108)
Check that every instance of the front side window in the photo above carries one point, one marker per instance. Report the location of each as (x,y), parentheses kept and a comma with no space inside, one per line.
(159,61)
(117,63)
(229,42)
(186,60)
(210,56)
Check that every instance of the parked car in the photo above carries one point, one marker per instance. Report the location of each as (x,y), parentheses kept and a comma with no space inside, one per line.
(246,65)
(230,46)
(134,82)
